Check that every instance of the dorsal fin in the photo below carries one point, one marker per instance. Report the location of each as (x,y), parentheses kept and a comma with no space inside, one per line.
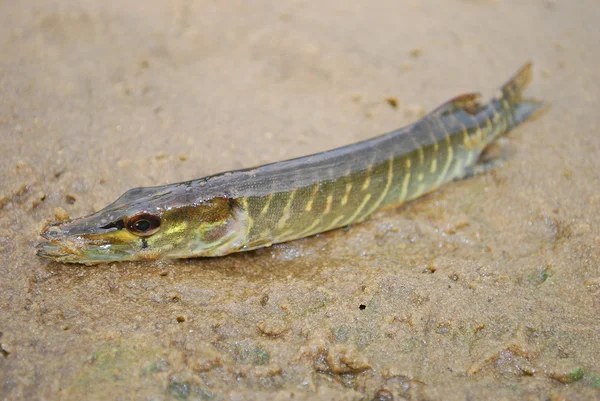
(469,103)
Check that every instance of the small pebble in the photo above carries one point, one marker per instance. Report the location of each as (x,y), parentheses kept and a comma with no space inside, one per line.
(392,101)
(416,52)
(272,327)
(60,214)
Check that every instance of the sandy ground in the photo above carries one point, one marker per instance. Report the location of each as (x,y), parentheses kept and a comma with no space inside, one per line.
(487,289)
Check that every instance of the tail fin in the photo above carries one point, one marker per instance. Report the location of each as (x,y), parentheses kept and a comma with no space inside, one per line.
(522,108)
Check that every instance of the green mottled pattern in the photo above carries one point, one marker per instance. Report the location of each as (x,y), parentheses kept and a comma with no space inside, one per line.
(305,196)
(444,147)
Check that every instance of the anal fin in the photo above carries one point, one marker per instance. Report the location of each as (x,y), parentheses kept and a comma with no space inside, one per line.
(494,155)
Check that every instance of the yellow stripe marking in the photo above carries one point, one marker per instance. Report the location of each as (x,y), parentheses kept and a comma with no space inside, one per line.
(419,149)
(507,113)
(313,232)
(180,227)
(476,143)
(433,166)
(281,237)
(469,158)
(468,146)
(360,208)
(267,205)
(434,140)
(328,205)
(449,157)
(465,159)
(250,220)
(479,137)
(367,180)
(308,207)
(345,198)
(420,191)
(334,223)
(388,184)
(304,233)
(504,116)
(405,182)
(458,171)
(489,125)
(496,114)
(286,210)
(434,154)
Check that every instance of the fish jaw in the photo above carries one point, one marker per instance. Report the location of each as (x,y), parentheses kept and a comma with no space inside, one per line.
(70,252)
(81,241)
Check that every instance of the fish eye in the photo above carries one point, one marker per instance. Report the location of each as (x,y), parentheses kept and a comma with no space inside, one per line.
(143,224)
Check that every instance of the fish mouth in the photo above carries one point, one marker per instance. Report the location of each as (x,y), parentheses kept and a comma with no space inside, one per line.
(60,244)
(52,250)
(79,241)
(67,251)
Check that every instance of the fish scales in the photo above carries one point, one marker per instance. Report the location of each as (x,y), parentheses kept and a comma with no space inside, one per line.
(283,201)
(450,141)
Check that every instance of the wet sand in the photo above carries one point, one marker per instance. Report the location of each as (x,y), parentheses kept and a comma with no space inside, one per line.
(486,289)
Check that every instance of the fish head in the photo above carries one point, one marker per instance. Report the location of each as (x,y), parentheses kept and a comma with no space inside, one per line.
(148,225)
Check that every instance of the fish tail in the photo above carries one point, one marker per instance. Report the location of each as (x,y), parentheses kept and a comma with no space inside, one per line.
(520,108)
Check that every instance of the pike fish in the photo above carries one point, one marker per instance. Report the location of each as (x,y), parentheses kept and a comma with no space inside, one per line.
(283,201)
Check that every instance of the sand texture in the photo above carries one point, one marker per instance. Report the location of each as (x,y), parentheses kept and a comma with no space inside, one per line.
(486,289)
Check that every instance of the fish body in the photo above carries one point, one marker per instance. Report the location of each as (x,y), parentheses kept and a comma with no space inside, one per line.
(252,208)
